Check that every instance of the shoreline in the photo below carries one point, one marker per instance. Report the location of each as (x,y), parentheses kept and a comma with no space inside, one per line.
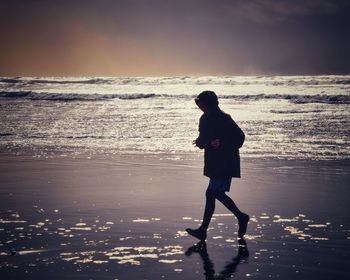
(172,156)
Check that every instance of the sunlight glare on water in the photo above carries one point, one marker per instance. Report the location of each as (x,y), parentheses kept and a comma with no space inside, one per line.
(283,116)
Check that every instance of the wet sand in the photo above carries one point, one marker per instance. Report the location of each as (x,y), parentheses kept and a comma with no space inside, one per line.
(124,218)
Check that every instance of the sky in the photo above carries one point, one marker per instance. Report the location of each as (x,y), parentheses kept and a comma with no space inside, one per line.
(174,37)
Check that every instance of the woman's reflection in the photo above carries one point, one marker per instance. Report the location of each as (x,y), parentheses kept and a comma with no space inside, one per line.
(229,269)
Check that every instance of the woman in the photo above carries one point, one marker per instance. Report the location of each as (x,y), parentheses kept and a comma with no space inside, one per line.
(221,138)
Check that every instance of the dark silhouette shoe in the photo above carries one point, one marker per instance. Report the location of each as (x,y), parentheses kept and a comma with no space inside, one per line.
(197,233)
(243,224)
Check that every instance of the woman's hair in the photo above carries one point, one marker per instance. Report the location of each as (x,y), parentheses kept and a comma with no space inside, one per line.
(208,98)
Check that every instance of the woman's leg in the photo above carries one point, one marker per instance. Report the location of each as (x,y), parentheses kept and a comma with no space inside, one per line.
(209,209)
(201,232)
(229,204)
(243,218)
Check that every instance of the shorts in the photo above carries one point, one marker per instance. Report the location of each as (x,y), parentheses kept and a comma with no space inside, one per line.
(220,184)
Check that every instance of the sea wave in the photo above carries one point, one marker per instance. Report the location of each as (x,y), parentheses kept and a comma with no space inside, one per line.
(30,95)
(288,81)
(297,99)
(32,81)
(331,80)
(97,81)
(10,80)
(295,111)
(294,98)
(5,134)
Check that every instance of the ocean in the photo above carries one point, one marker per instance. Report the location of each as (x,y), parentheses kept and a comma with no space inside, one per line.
(99,178)
(285,117)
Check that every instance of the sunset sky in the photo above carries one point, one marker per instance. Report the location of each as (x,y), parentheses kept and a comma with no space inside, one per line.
(174,37)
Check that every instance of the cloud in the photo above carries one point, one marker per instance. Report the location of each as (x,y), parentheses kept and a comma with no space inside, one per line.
(277,11)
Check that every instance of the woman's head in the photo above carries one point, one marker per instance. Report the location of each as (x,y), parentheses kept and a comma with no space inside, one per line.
(207,101)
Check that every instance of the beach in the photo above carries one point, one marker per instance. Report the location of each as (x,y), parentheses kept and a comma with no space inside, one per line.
(99,180)
(111,112)
(124,217)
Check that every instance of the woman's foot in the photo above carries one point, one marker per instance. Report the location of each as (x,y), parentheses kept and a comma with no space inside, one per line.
(197,233)
(243,224)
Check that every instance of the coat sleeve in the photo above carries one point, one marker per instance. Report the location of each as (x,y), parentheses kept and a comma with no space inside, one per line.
(203,140)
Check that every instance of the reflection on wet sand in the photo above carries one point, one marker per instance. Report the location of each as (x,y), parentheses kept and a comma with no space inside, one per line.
(208,265)
(45,239)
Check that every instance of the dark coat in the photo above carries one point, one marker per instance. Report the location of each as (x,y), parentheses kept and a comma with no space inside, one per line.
(224,161)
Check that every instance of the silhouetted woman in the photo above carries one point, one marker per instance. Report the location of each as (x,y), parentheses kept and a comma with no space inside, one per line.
(221,138)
